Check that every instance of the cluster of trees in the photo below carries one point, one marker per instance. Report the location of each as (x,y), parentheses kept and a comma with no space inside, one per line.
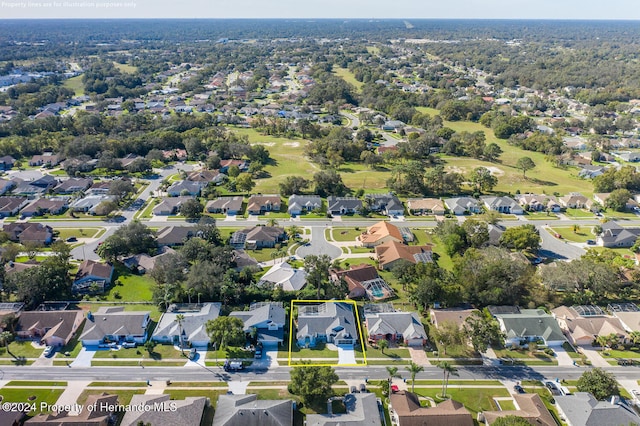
(414,178)
(539,142)
(102,77)
(624,178)
(335,148)
(504,125)
(26,98)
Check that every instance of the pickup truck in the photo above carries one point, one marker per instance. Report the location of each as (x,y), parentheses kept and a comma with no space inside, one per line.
(233,365)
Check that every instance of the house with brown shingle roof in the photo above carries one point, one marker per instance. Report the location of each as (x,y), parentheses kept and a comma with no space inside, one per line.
(425,206)
(43,206)
(405,410)
(53,328)
(24,232)
(583,330)
(391,252)
(362,281)
(529,406)
(259,204)
(102,413)
(92,276)
(207,176)
(380,233)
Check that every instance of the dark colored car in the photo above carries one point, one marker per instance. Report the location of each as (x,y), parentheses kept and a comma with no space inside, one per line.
(519,389)
(354,389)
(553,388)
(363,388)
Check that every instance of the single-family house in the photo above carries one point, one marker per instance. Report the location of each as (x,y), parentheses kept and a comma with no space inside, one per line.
(53,328)
(539,202)
(360,409)
(285,276)
(392,252)
(589,172)
(574,200)
(505,205)
(7,162)
(185,187)
(248,410)
(143,263)
(583,324)
(114,324)
(268,319)
(192,327)
(24,232)
(462,205)
(162,410)
(258,237)
(128,159)
(73,185)
(170,206)
(530,325)
(48,159)
(405,410)
(425,206)
(299,204)
(362,281)
(92,277)
(6,185)
(230,206)
(396,327)
(583,409)
(392,125)
(43,206)
(528,406)
(259,204)
(174,235)
(97,410)
(614,235)
(89,203)
(387,204)
(338,206)
(457,316)
(380,233)
(243,165)
(328,322)
(207,176)
(10,206)
(630,319)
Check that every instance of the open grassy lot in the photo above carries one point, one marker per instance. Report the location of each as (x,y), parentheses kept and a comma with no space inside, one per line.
(348,76)
(75,84)
(358,175)
(444,260)
(131,287)
(427,110)
(129,69)
(64,233)
(581,235)
(346,234)
(31,396)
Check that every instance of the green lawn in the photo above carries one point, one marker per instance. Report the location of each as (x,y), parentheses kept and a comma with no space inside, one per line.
(264,255)
(615,353)
(444,260)
(506,405)
(160,352)
(579,214)
(48,396)
(459,382)
(540,216)
(126,68)
(35,383)
(118,384)
(20,349)
(474,399)
(427,110)
(580,236)
(132,287)
(75,84)
(64,233)
(321,351)
(390,353)
(212,394)
(346,234)
(348,76)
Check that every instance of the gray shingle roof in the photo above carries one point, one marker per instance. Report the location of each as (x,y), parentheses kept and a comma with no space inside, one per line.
(531,322)
(582,409)
(329,318)
(114,321)
(248,410)
(176,413)
(193,325)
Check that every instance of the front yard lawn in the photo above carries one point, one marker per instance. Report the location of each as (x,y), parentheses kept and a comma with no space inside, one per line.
(20,349)
(616,353)
(160,352)
(346,234)
(48,396)
(581,235)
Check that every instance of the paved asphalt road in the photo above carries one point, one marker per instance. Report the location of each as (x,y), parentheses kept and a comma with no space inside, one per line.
(318,245)
(282,373)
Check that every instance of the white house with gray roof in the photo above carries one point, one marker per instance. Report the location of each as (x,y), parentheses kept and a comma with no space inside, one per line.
(114,324)
(582,409)
(529,325)
(284,276)
(361,409)
(462,205)
(403,327)
(505,205)
(192,327)
(338,206)
(267,318)
(614,235)
(299,204)
(329,322)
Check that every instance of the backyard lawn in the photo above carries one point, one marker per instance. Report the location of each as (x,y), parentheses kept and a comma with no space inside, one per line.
(132,287)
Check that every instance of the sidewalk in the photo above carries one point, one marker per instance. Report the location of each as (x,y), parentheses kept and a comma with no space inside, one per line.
(71,393)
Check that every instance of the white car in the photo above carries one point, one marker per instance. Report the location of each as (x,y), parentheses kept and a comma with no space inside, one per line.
(48,351)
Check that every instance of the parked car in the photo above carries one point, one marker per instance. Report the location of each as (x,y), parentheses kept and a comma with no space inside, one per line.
(363,388)
(553,388)
(258,353)
(354,389)
(72,239)
(129,345)
(193,353)
(591,242)
(48,351)
(519,389)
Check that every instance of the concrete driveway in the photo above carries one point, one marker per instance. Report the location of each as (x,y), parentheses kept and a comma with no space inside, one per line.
(346,355)
(562,356)
(84,357)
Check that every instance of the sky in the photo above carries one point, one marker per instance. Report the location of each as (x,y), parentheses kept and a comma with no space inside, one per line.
(368,9)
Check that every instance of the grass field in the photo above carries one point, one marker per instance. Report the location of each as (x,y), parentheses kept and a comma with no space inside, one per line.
(427,110)
(346,234)
(75,84)
(48,396)
(475,400)
(20,350)
(129,69)
(64,233)
(348,76)
(580,236)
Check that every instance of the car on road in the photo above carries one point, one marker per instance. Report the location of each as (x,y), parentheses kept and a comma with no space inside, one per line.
(232,365)
(48,351)
(519,389)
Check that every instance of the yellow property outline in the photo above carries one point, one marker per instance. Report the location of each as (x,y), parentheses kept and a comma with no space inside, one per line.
(291,334)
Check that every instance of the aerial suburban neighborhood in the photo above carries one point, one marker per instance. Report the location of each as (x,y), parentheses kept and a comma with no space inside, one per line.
(362,223)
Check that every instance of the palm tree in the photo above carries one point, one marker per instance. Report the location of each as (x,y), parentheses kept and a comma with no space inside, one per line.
(5,338)
(447,370)
(190,293)
(383,344)
(414,369)
(272,222)
(179,319)
(634,337)
(294,232)
(393,374)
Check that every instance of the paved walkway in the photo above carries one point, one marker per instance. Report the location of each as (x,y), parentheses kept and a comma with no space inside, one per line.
(238,388)
(419,356)
(71,393)
(201,357)
(156,388)
(595,358)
